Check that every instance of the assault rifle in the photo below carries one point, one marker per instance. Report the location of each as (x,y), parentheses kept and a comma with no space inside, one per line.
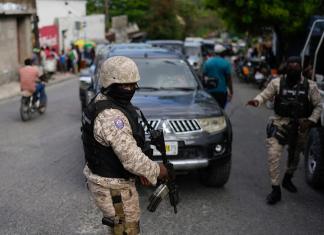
(293,126)
(169,186)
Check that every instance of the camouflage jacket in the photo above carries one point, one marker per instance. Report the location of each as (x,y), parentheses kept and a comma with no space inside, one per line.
(111,128)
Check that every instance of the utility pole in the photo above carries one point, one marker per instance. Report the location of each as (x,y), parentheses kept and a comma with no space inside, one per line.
(35,21)
(106,14)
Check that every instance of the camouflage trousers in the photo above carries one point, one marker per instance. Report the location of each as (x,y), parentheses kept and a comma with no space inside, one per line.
(275,151)
(101,188)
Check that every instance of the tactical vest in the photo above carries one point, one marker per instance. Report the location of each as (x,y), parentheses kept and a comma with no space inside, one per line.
(101,159)
(293,102)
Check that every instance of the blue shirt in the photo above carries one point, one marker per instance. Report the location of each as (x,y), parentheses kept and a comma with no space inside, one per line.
(219,69)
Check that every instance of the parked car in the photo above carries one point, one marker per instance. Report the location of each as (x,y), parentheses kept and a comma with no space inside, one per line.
(314,156)
(87,75)
(193,53)
(85,80)
(197,131)
(313,56)
(208,46)
(172,45)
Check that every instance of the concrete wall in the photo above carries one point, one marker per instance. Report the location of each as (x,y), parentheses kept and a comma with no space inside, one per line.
(48,10)
(24,38)
(8,48)
(15,45)
(15,36)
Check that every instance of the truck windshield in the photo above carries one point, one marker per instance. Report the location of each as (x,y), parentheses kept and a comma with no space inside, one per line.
(165,74)
(192,51)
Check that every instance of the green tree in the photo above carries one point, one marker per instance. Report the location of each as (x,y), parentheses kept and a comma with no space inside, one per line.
(164,23)
(164,19)
(199,21)
(188,11)
(286,17)
(95,7)
(136,10)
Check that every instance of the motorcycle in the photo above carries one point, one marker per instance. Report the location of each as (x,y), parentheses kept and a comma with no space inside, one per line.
(30,104)
(243,69)
(261,72)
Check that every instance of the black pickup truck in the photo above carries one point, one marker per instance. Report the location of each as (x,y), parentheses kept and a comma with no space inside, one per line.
(198,133)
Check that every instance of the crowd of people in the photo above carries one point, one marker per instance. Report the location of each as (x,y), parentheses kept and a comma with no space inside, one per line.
(71,60)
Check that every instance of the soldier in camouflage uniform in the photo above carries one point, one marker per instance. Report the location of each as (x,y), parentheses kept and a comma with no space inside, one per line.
(114,142)
(290,88)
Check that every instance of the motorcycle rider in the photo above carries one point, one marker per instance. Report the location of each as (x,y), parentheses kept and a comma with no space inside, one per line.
(114,145)
(290,91)
(29,81)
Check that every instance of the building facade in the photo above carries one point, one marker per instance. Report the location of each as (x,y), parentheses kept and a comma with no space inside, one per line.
(73,28)
(69,16)
(49,10)
(16,38)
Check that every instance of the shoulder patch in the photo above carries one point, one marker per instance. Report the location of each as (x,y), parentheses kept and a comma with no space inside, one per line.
(119,123)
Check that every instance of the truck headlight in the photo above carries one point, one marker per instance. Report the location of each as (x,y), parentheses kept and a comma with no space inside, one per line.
(213,124)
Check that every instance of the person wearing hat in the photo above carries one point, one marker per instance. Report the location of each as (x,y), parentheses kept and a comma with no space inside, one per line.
(217,72)
(114,144)
(296,98)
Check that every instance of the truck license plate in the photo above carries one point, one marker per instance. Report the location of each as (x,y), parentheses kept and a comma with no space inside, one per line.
(171,148)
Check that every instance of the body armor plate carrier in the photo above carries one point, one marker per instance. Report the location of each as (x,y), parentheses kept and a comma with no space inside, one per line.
(101,159)
(293,102)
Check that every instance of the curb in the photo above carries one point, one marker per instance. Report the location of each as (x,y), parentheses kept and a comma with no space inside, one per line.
(48,84)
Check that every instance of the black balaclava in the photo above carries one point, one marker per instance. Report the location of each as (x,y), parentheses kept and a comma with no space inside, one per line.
(118,93)
(293,74)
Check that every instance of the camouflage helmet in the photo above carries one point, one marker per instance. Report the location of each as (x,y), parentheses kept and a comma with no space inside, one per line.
(120,70)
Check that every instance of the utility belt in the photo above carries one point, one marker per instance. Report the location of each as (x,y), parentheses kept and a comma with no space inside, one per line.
(119,224)
(110,174)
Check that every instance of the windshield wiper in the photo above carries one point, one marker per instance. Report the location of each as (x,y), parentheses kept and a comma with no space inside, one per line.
(179,88)
(148,88)
(168,88)
(169,62)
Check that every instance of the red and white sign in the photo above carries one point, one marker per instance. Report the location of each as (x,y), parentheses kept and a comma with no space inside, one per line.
(48,36)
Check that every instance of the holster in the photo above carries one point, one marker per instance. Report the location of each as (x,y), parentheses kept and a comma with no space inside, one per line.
(210,83)
(119,224)
(281,134)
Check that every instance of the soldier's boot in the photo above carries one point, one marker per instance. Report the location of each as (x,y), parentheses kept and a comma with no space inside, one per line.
(288,184)
(275,195)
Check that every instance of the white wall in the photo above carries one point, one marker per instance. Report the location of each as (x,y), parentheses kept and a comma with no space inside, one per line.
(94,28)
(48,10)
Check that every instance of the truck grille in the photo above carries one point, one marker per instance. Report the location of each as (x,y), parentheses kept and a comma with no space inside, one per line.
(153,123)
(184,125)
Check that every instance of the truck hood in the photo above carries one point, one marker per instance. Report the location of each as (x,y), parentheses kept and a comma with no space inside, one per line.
(176,104)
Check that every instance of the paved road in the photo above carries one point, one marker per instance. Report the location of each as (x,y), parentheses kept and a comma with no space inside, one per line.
(43,191)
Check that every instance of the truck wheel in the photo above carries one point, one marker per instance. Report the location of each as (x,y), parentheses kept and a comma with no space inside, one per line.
(314,158)
(217,174)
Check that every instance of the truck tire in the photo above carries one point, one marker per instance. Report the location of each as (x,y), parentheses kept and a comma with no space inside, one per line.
(217,174)
(314,158)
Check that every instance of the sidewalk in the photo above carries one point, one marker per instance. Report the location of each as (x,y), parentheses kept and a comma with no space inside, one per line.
(13,88)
